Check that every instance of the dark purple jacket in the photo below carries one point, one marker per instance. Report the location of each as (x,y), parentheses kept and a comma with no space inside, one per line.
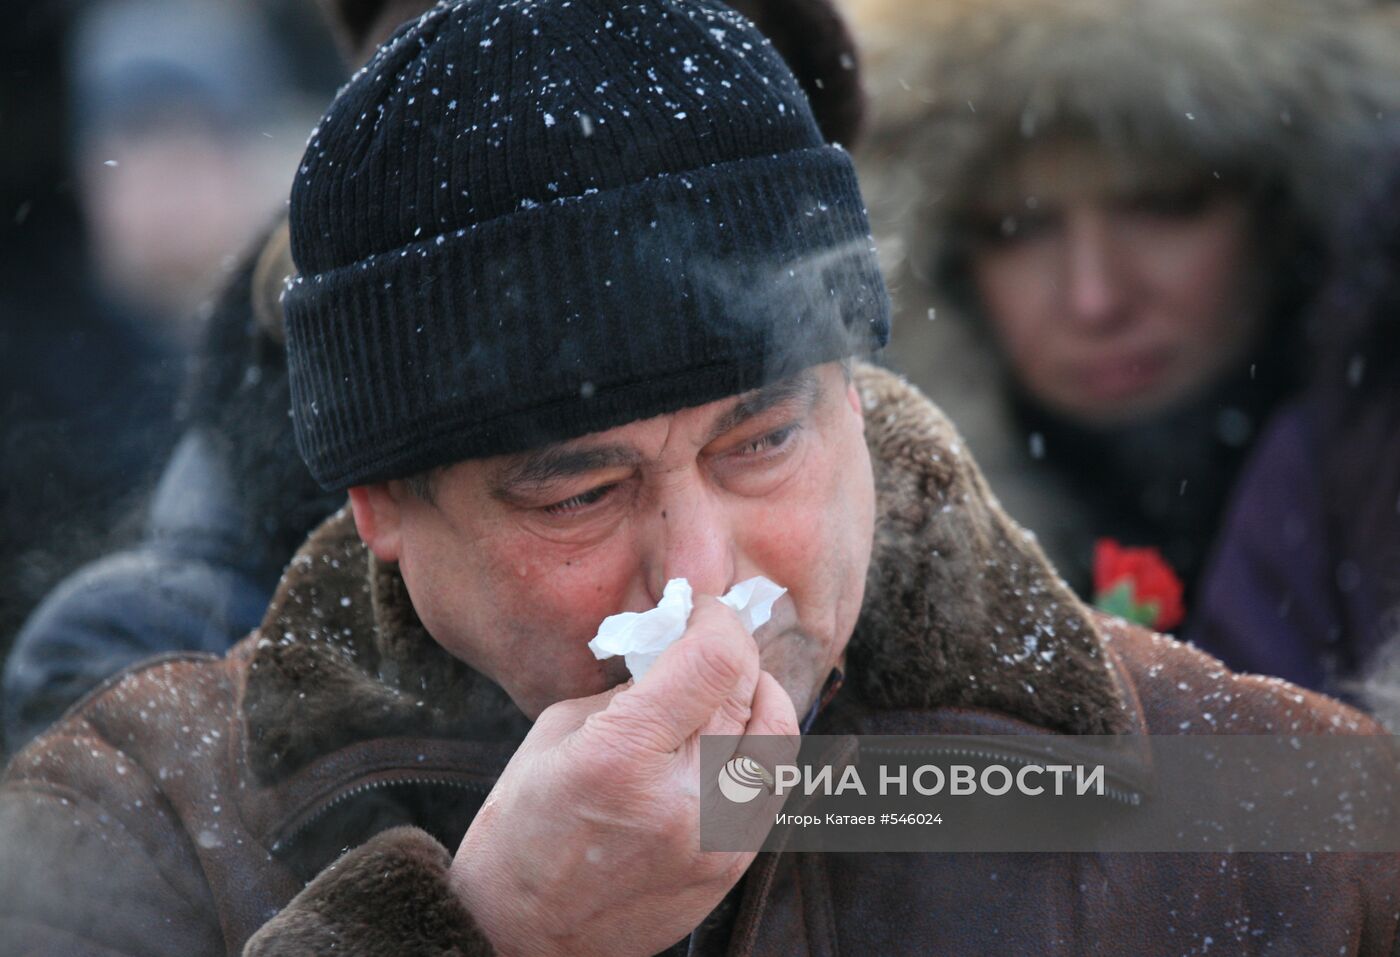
(1299,586)
(1305,580)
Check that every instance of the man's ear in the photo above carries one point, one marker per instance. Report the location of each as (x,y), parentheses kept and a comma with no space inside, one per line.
(377,518)
(853,397)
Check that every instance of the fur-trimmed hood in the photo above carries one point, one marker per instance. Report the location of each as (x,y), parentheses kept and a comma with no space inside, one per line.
(961,609)
(1285,91)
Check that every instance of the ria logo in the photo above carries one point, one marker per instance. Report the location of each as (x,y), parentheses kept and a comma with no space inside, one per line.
(742,778)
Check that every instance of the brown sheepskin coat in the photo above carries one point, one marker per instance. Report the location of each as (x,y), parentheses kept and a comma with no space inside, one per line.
(303,794)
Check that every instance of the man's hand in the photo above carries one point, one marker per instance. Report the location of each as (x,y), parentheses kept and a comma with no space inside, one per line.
(590,841)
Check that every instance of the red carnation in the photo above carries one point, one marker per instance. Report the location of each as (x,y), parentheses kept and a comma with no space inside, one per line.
(1136,584)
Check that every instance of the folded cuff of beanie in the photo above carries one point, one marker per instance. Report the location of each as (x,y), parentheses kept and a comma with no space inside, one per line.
(581,314)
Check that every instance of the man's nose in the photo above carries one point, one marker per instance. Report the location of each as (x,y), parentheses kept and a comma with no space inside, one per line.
(689,535)
(1095,295)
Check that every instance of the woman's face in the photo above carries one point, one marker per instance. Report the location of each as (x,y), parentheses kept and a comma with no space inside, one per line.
(1113,303)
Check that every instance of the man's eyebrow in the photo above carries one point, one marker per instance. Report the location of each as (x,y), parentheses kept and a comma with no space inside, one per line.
(804,386)
(559,461)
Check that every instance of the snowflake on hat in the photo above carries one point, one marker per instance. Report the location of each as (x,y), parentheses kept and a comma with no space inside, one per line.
(1136,584)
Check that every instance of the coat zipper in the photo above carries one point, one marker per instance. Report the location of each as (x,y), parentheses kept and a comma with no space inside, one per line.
(321,810)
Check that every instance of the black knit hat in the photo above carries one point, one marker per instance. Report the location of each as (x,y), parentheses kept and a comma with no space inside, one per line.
(527,220)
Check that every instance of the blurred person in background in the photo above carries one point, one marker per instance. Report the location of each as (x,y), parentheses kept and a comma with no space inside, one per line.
(150,142)
(174,175)
(188,129)
(82,392)
(1306,581)
(1105,220)
(235,499)
(212,544)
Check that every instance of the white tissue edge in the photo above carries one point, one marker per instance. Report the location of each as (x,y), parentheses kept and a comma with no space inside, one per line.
(641,637)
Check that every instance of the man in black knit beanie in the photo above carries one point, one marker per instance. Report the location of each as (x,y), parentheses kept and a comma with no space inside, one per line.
(523,222)
(578,284)
(579,287)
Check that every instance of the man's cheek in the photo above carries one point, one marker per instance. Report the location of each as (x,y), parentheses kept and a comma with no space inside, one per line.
(569,601)
(800,530)
(539,564)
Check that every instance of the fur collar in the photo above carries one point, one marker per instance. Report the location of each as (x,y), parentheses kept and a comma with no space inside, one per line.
(961,610)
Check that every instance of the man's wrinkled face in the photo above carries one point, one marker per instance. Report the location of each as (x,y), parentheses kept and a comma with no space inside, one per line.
(513,561)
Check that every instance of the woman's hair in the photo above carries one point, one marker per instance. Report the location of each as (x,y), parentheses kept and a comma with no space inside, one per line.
(1287,246)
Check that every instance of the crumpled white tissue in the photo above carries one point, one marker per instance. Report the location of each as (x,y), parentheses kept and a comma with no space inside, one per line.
(641,636)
